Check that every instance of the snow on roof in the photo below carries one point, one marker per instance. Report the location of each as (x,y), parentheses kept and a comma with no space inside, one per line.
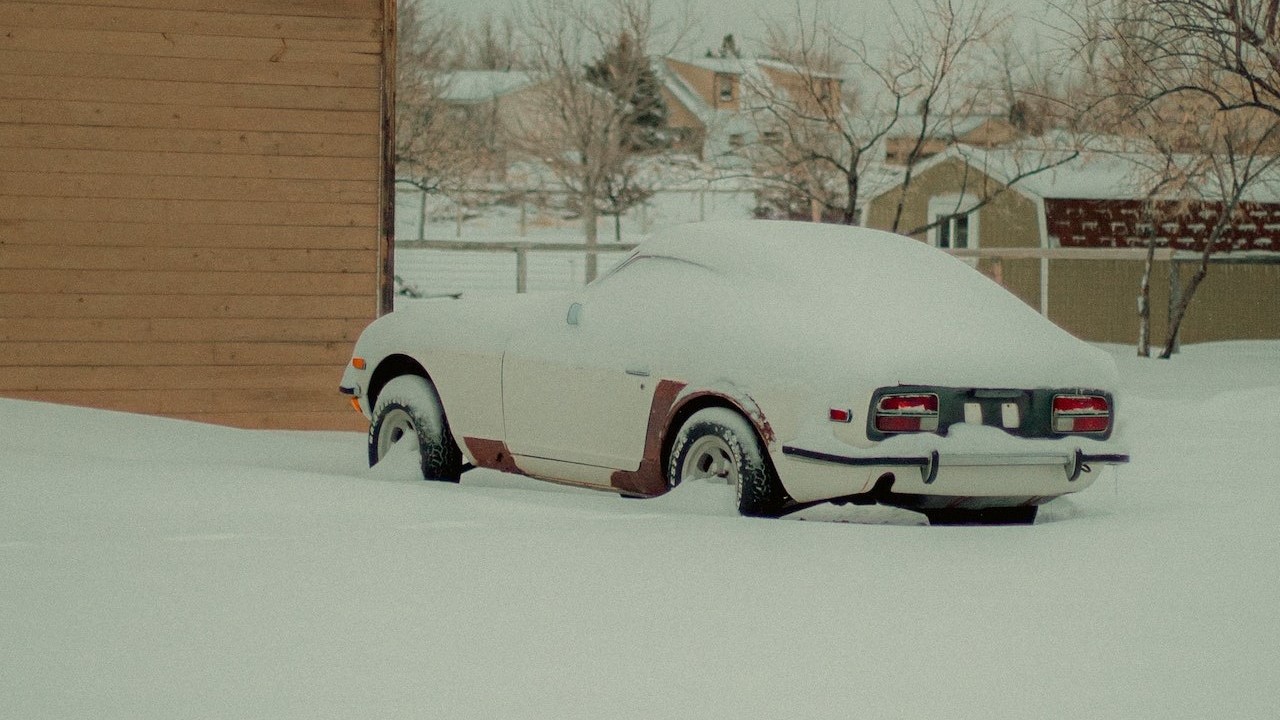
(1091,175)
(733,66)
(468,86)
(798,70)
(941,127)
(682,92)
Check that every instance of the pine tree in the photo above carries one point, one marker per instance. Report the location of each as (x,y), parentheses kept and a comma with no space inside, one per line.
(625,71)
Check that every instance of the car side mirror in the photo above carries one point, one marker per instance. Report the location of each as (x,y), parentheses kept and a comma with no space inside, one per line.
(575,314)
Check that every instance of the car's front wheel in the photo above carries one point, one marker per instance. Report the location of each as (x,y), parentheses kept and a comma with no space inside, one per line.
(408,410)
(718,444)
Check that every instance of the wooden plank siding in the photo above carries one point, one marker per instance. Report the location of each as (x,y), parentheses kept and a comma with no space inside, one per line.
(193,195)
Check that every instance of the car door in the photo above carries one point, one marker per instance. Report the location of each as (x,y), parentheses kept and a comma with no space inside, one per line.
(578,384)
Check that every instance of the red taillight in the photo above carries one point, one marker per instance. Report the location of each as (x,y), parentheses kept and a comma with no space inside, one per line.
(840,415)
(908,412)
(1081,414)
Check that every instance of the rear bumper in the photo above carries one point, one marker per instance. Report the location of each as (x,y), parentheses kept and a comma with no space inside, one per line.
(1040,474)
(1072,463)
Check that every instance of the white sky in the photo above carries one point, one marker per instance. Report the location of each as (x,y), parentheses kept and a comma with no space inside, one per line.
(712,19)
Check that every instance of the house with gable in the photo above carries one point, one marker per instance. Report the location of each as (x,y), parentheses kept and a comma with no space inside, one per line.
(714,104)
(986,131)
(1003,206)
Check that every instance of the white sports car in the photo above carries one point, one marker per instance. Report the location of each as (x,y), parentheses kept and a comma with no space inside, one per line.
(802,363)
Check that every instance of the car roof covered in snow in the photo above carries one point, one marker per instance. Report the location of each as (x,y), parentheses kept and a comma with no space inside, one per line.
(814,254)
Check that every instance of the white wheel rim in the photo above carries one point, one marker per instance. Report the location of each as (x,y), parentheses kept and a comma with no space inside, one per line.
(710,458)
(396,426)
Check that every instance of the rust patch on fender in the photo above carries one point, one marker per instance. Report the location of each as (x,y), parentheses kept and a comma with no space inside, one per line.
(745,405)
(649,479)
(492,455)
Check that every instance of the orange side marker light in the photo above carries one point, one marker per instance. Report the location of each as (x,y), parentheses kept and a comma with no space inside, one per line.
(357,363)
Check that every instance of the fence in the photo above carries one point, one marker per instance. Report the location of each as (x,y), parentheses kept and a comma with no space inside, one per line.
(528,213)
(1090,292)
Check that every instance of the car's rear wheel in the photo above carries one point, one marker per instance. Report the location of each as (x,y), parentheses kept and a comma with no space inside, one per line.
(408,410)
(719,444)
(1020,515)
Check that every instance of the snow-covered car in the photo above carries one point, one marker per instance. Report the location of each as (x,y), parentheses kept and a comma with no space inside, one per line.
(802,363)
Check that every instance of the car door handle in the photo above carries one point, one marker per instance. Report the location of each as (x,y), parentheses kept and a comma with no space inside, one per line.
(638,370)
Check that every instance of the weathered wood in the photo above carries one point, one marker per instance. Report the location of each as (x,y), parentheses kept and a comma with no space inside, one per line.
(233,142)
(122,115)
(191,203)
(111,282)
(186,22)
(151,44)
(180,329)
(192,164)
(149,234)
(135,304)
(85,257)
(292,8)
(184,212)
(333,354)
(215,94)
(103,185)
(142,67)
(148,377)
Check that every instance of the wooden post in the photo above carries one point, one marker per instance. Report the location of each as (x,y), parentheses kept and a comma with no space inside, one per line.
(458,219)
(702,205)
(1175,298)
(522,269)
(422,217)
(524,216)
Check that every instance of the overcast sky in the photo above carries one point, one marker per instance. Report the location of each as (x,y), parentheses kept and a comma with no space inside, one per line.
(712,19)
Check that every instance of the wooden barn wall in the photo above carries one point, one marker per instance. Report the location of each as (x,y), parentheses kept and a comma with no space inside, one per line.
(190,204)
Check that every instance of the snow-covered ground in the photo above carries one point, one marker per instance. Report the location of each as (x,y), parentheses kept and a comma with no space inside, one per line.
(161,569)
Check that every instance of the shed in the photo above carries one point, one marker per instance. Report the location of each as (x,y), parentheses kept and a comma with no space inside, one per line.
(1083,212)
(195,203)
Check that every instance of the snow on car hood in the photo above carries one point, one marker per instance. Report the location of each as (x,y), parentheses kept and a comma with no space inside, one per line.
(851,300)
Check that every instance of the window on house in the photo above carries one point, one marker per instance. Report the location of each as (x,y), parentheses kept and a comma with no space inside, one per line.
(953,231)
(724,85)
(954,221)
(771,137)
(736,140)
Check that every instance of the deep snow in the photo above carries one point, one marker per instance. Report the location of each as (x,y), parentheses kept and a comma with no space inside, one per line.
(161,569)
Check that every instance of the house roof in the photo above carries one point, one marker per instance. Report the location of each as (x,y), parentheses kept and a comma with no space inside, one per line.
(942,127)
(1091,175)
(471,86)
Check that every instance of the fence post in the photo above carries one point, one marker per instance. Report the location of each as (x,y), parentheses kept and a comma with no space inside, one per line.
(524,213)
(422,217)
(522,269)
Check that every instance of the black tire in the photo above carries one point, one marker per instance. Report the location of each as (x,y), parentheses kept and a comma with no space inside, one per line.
(718,442)
(1020,515)
(408,408)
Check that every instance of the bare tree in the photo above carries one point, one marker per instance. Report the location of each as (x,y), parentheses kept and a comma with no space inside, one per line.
(819,133)
(939,47)
(581,129)
(491,44)
(1199,81)
(432,152)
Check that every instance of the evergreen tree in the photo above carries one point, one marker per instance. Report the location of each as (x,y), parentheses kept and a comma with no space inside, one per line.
(625,71)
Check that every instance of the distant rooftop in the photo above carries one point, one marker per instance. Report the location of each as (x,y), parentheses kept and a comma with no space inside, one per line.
(469,86)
